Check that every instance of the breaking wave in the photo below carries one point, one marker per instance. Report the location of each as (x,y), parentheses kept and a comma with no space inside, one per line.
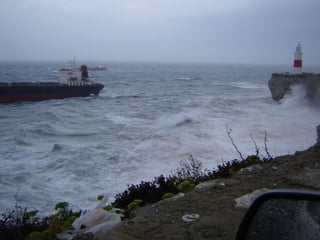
(142,125)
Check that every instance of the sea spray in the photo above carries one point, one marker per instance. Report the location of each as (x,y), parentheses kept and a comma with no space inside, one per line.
(145,121)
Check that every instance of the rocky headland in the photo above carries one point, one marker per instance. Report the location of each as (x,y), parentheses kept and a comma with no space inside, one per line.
(214,209)
(281,84)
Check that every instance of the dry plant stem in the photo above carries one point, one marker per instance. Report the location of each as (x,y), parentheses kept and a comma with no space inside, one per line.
(265,145)
(255,145)
(229,130)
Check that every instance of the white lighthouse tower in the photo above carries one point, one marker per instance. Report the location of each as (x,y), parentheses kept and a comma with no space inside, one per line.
(297,64)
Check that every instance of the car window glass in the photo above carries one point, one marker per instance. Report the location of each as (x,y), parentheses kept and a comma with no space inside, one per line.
(280,219)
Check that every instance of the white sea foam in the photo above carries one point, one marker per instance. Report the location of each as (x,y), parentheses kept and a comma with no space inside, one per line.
(143,124)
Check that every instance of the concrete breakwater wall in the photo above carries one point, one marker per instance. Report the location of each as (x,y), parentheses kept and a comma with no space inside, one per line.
(281,84)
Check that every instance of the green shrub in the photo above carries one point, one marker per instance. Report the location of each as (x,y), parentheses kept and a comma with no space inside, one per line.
(167,195)
(231,171)
(148,192)
(134,205)
(187,175)
(100,197)
(253,159)
(19,223)
(44,235)
(107,208)
(57,223)
(186,186)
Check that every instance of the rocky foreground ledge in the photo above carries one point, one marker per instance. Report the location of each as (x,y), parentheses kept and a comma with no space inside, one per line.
(281,84)
(215,209)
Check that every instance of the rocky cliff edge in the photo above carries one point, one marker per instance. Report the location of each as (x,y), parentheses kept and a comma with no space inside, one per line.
(214,209)
(281,84)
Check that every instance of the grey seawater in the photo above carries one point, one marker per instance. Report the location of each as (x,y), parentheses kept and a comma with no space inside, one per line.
(147,119)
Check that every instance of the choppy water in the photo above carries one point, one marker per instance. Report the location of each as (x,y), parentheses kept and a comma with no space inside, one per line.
(147,118)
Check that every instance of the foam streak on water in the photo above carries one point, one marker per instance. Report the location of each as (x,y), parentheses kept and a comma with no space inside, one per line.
(147,119)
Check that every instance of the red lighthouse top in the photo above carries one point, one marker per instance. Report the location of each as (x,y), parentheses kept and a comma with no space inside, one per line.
(297,64)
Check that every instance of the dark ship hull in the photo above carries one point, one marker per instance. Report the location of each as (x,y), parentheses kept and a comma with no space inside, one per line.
(26,91)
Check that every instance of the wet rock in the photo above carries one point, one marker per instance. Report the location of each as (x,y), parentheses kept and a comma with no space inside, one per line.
(210,184)
(308,178)
(95,220)
(215,184)
(281,84)
(246,200)
(250,170)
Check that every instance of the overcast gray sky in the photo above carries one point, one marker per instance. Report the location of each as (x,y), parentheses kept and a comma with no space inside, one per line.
(236,31)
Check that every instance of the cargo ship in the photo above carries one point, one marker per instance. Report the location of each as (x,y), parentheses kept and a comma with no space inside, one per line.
(72,83)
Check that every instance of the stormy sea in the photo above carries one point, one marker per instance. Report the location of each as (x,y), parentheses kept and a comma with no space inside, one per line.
(147,119)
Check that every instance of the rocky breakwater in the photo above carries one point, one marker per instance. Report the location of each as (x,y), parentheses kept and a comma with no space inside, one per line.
(281,84)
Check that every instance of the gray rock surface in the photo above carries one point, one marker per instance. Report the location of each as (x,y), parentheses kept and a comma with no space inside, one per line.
(281,84)
(215,202)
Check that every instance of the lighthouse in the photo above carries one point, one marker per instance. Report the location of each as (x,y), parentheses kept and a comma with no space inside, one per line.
(297,64)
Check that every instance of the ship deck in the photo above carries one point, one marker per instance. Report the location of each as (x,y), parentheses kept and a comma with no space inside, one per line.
(28,84)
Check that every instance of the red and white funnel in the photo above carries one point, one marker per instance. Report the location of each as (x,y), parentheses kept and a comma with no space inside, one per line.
(297,64)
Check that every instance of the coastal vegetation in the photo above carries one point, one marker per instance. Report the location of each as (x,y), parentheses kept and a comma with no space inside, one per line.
(184,180)
(20,223)
(23,224)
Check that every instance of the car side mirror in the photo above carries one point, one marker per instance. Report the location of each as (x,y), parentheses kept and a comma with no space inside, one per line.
(282,215)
